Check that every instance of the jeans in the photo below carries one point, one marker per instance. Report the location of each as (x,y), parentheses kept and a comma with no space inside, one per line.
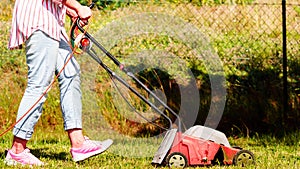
(46,57)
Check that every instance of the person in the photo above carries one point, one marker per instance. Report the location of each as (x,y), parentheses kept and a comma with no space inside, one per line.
(39,24)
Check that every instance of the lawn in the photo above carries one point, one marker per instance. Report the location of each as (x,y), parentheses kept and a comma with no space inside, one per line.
(52,147)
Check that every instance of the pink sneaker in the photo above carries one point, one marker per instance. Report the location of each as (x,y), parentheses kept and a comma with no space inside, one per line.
(89,149)
(24,158)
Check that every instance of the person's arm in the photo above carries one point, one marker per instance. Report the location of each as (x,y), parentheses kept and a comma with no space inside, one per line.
(72,14)
(75,9)
(83,12)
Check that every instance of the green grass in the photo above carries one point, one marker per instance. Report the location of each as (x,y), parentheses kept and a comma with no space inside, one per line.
(53,149)
(51,144)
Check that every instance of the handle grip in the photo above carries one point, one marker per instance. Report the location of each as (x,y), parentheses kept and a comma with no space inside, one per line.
(76,25)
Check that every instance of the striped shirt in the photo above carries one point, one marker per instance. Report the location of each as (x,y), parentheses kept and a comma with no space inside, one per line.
(31,15)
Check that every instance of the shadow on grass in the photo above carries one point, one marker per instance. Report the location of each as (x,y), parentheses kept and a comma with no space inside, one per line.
(3,154)
(45,153)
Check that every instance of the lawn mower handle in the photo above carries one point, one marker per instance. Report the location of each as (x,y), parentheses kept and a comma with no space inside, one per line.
(124,69)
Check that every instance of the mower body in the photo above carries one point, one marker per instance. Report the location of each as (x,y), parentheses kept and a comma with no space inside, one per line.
(199,145)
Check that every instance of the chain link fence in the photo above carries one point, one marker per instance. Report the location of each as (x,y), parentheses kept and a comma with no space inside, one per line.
(248,40)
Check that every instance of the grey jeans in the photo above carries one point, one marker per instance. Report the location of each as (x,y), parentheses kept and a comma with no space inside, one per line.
(46,57)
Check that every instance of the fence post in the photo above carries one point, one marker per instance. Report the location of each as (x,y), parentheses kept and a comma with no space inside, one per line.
(284,64)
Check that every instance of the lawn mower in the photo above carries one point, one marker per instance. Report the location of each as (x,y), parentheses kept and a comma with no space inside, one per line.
(197,146)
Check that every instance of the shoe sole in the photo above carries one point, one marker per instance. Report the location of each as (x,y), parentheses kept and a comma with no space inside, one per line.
(11,162)
(105,145)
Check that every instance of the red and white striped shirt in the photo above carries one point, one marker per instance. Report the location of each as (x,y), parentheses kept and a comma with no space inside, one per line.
(31,15)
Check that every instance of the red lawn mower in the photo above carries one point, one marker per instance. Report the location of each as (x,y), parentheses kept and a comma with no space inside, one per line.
(197,146)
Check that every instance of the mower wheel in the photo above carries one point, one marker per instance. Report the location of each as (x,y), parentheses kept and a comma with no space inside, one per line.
(176,159)
(243,158)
